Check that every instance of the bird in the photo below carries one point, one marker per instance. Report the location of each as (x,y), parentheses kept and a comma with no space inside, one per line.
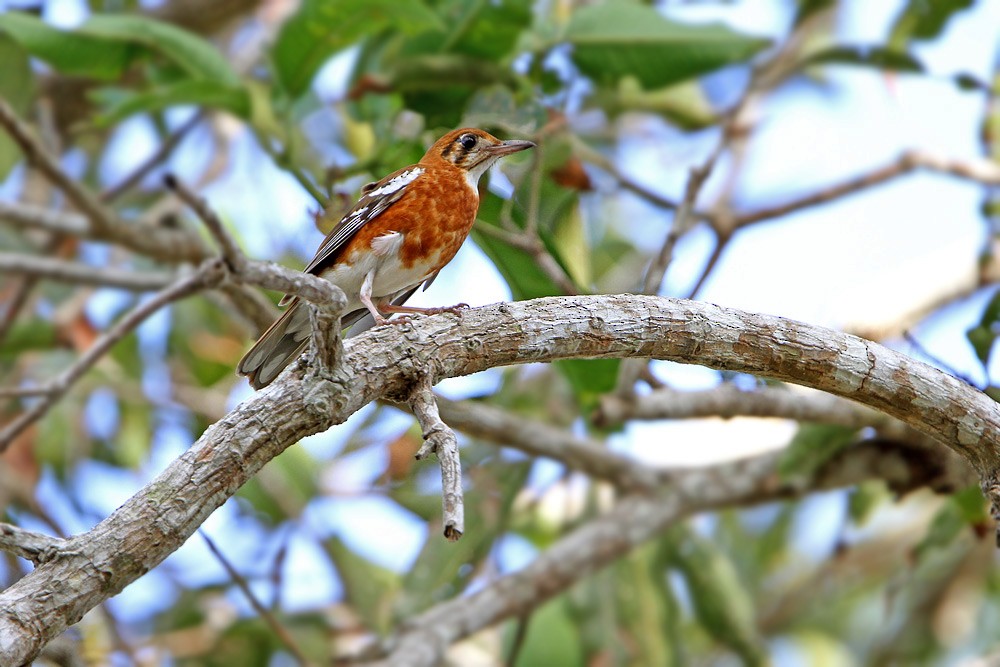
(401,232)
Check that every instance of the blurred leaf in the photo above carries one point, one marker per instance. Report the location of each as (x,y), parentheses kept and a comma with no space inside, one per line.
(590,378)
(809,8)
(647,612)
(17,87)
(683,104)
(983,335)
(322,27)
(195,56)
(865,498)
(443,569)
(570,239)
(487,29)
(552,637)
(369,588)
(812,446)
(865,56)
(121,104)
(71,53)
(613,40)
(962,509)
(495,106)
(721,602)
(924,19)
(283,488)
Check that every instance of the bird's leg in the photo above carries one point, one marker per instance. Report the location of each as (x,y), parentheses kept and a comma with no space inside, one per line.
(456,309)
(366,298)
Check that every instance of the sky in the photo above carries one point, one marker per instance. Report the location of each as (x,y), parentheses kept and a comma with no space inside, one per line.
(858,262)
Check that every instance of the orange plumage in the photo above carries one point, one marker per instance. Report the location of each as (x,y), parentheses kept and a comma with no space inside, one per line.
(403,230)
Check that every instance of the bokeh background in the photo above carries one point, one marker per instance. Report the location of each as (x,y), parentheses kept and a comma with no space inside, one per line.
(278,112)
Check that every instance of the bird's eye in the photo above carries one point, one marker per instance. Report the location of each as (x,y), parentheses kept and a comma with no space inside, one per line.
(468,141)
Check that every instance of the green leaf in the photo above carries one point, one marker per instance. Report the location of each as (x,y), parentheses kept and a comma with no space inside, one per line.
(552,638)
(865,499)
(487,29)
(983,335)
(195,56)
(721,601)
(877,57)
(122,104)
(812,446)
(925,19)
(369,588)
(322,27)
(613,40)
(69,53)
(17,87)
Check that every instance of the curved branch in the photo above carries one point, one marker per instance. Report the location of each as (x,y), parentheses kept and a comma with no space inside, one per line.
(388,360)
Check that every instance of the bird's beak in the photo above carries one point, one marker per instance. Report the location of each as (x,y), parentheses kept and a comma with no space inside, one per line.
(508,147)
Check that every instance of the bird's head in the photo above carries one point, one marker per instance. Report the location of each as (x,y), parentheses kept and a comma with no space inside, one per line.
(472,150)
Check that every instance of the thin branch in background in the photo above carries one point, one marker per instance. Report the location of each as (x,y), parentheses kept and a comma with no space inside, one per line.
(36,154)
(721,243)
(936,360)
(24,392)
(536,438)
(207,275)
(979,171)
(37,266)
(277,628)
(266,275)
(282,161)
(159,155)
(231,253)
(441,440)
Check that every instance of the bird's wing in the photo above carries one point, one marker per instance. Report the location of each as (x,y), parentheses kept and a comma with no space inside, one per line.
(376,198)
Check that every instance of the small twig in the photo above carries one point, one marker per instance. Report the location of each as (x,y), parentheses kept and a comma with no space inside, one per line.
(37,217)
(441,440)
(92,207)
(158,156)
(27,544)
(267,275)
(231,253)
(277,628)
(980,171)
(721,243)
(207,275)
(81,274)
(520,633)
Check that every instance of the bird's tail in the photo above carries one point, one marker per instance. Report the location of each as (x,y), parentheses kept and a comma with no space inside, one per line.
(278,346)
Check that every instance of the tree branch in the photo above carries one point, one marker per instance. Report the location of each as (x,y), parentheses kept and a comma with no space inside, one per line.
(632,522)
(81,274)
(440,439)
(382,362)
(207,275)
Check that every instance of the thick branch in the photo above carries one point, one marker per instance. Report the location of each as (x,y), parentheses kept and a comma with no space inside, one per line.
(382,362)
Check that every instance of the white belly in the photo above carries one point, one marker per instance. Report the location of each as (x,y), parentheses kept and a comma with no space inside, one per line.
(390,275)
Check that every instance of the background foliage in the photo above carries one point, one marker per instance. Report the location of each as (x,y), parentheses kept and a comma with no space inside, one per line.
(277,110)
